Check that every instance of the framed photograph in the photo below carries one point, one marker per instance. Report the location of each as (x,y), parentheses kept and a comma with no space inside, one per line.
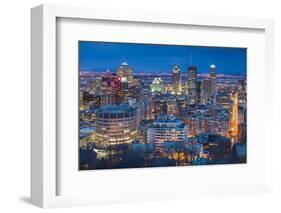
(129,106)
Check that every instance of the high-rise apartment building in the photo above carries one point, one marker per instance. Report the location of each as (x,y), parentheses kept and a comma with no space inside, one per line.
(191,85)
(116,124)
(111,89)
(166,128)
(176,79)
(213,85)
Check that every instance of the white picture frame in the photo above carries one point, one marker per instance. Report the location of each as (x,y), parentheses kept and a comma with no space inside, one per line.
(44,154)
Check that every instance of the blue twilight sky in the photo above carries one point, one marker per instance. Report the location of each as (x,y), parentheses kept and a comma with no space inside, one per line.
(155,58)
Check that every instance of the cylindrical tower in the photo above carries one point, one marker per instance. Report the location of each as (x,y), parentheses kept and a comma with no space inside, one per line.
(116,124)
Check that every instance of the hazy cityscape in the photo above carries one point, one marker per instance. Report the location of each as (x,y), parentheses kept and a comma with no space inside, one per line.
(193,112)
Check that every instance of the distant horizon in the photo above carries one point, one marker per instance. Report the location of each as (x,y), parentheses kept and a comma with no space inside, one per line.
(159,72)
(158,58)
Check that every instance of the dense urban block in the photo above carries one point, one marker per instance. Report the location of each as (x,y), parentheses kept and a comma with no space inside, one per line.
(183,116)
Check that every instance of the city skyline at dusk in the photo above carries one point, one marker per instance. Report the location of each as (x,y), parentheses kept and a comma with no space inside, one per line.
(151,105)
(152,58)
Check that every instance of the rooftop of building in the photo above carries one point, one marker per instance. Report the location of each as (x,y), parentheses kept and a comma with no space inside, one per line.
(122,108)
(157,81)
(168,119)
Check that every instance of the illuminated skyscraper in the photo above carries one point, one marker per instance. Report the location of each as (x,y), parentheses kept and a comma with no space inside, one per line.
(111,89)
(213,85)
(233,119)
(156,85)
(198,91)
(191,85)
(131,88)
(212,71)
(192,74)
(177,89)
(125,72)
(204,92)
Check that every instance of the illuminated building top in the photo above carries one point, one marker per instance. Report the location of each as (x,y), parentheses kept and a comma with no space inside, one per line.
(125,72)
(213,66)
(176,80)
(176,69)
(192,73)
(212,71)
(156,85)
(157,81)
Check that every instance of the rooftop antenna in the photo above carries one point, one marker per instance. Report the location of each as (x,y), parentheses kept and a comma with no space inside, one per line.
(190,58)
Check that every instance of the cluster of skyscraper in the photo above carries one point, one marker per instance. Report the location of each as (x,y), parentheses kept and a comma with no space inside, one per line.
(197,92)
(173,114)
